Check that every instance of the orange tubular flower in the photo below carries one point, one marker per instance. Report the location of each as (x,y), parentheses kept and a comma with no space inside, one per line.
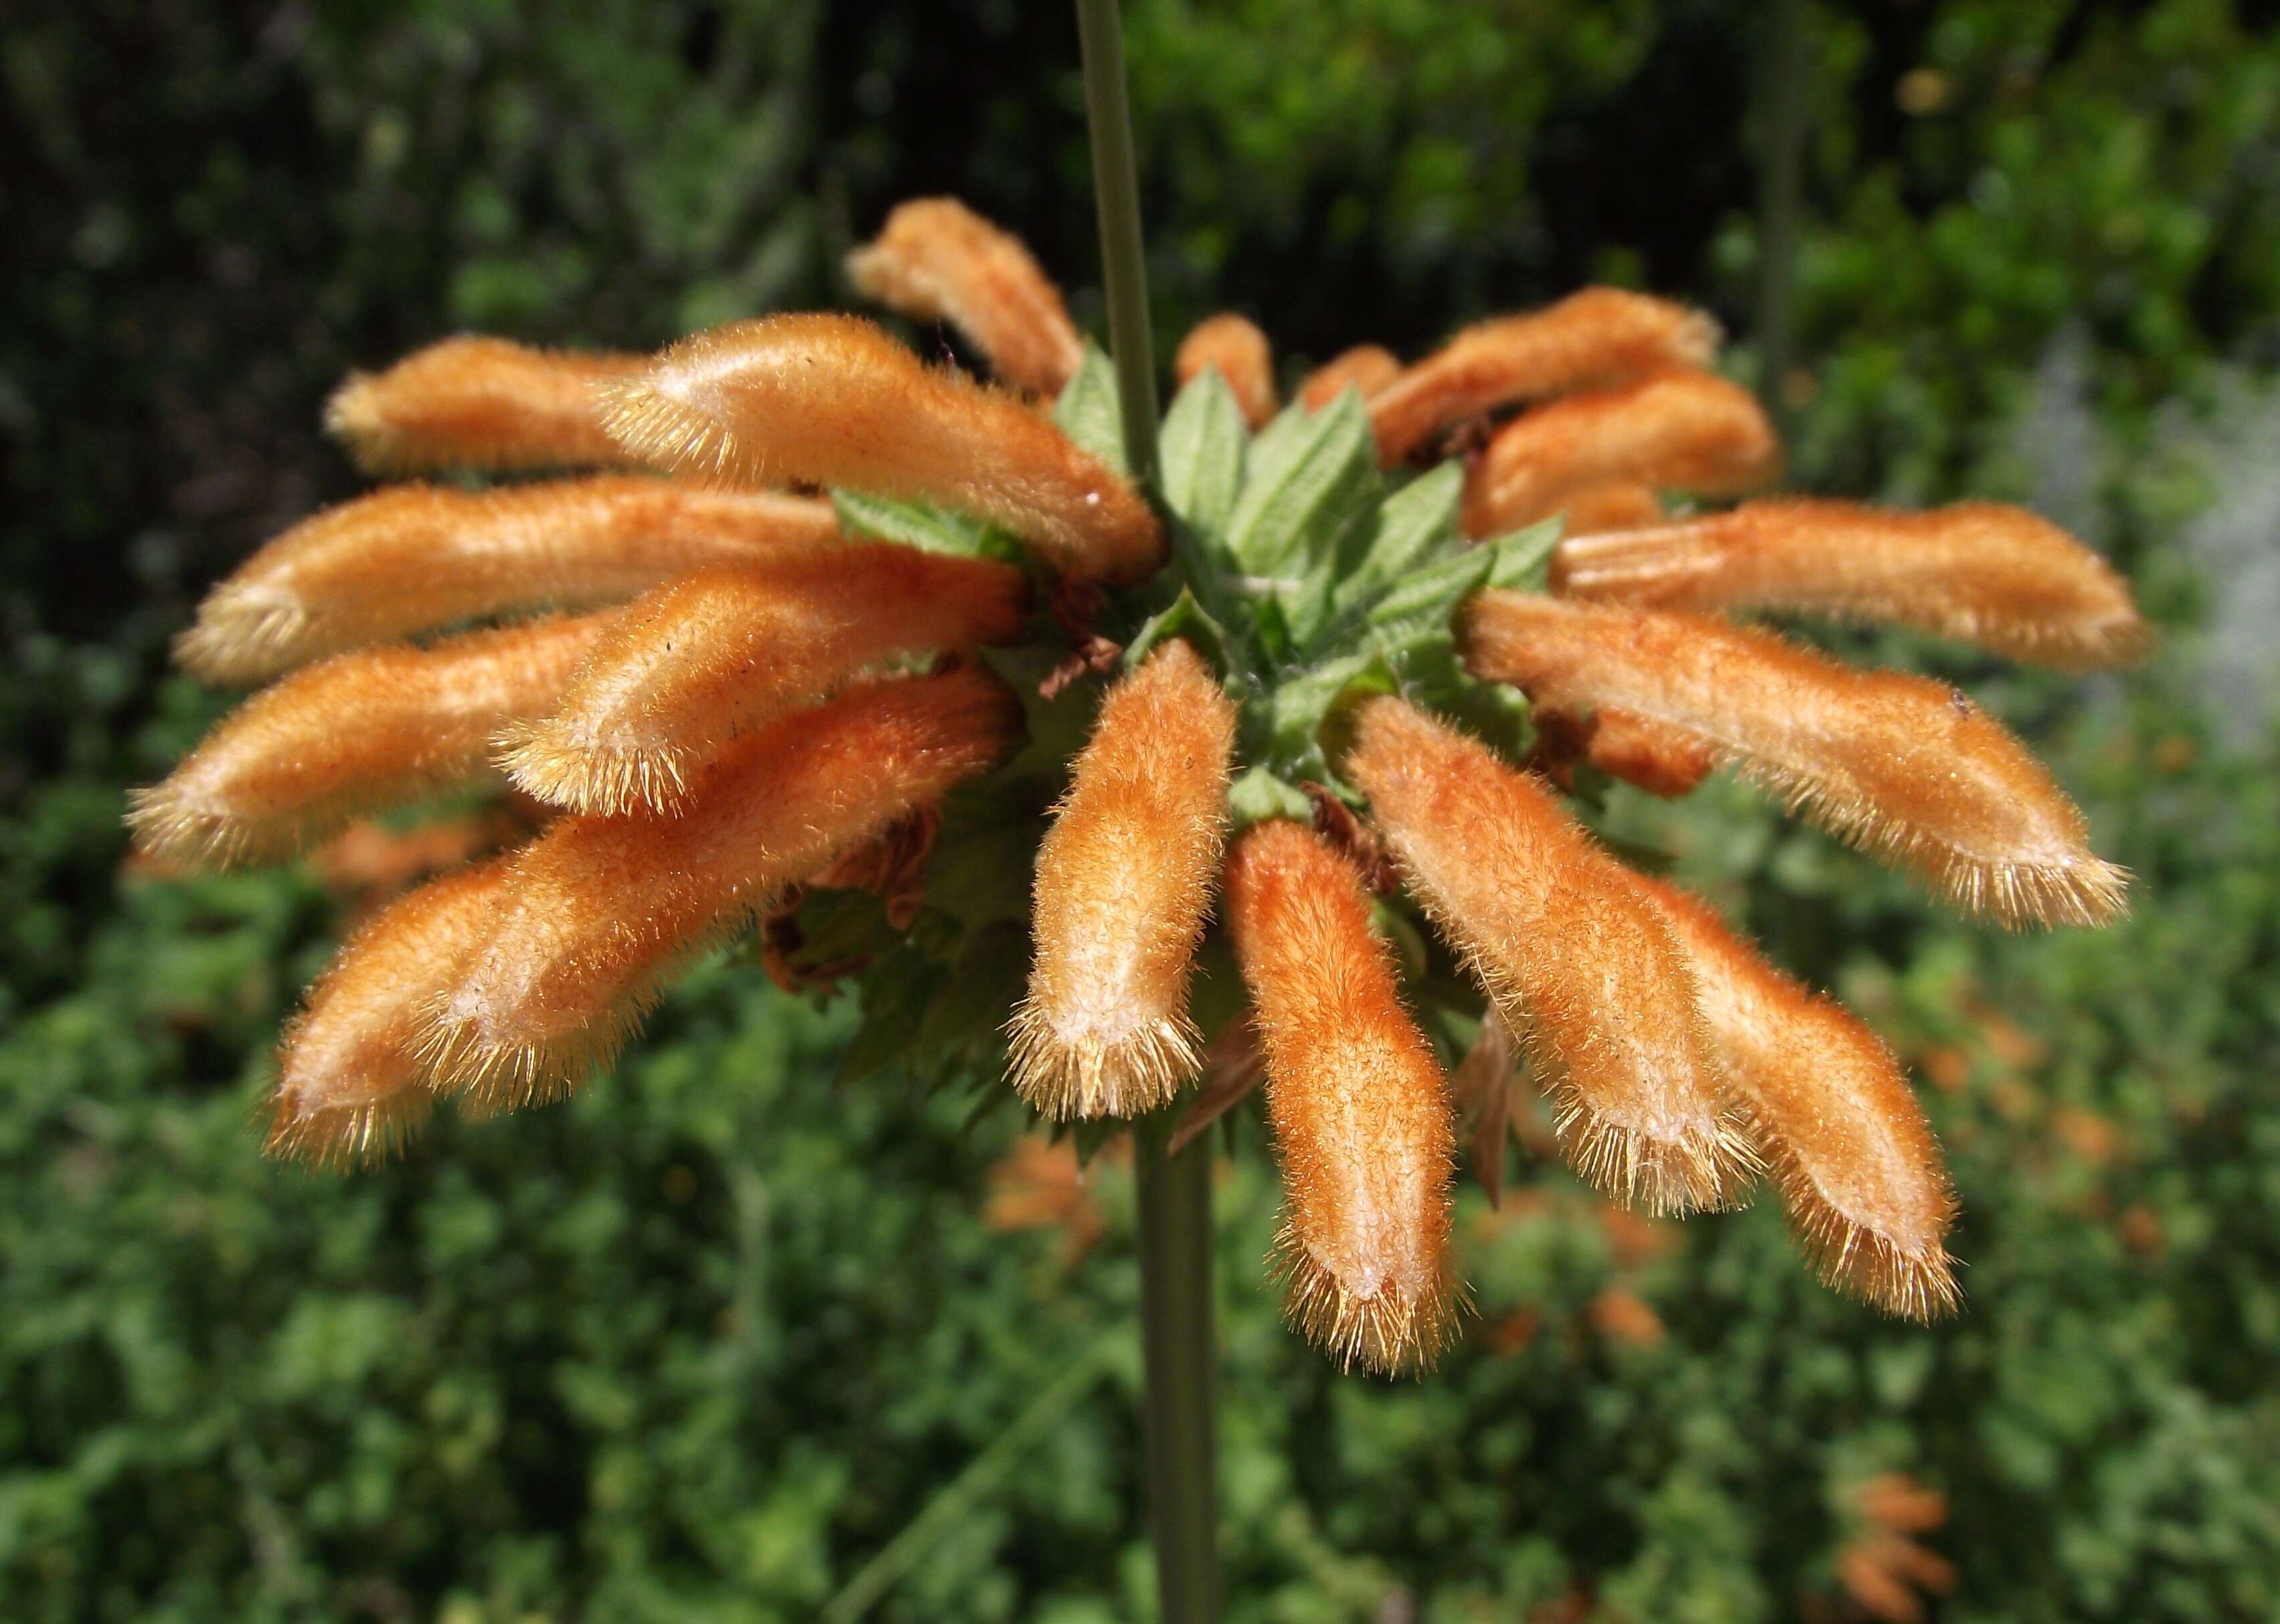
(1576,959)
(412,557)
(937,260)
(1859,1172)
(598,912)
(1124,881)
(358,733)
(1366,367)
(1359,1110)
(479,403)
(351,1084)
(1619,504)
(1240,351)
(1904,768)
(1994,575)
(696,664)
(1591,339)
(1688,430)
(832,400)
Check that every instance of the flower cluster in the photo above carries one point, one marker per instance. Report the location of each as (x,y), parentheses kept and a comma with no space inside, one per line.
(856,650)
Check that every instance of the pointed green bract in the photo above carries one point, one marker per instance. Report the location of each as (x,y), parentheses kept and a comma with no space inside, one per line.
(1307,479)
(1202,447)
(1087,410)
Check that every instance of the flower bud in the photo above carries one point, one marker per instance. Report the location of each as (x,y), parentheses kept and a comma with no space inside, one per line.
(1985,574)
(479,403)
(1358,1108)
(1240,351)
(1124,878)
(598,913)
(937,260)
(1591,339)
(1366,367)
(703,660)
(1859,1171)
(350,1085)
(832,400)
(412,557)
(1580,965)
(1684,430)
(357,733)
(1906,768)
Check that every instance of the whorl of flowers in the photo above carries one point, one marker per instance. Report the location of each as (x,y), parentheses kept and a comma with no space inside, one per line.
(908,671)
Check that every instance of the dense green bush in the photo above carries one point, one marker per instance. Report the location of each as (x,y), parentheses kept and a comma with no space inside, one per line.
(703,1342)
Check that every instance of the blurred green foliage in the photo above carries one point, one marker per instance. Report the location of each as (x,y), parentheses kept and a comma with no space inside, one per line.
(701,1343)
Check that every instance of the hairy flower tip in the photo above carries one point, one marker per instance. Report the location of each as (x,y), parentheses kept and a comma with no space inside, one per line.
(351,1084)
(1366,367)
(1239,350)
(1591,339)
(832,400)
(413,557)
(1906,768)
(1859,1172)
(356,734)
(1578,962)
(479,403)
(1979,570)
(1358,1108)
(701,661)
(598,913)
(1686,430)
(1618,505)
(1124,879)
(937,260)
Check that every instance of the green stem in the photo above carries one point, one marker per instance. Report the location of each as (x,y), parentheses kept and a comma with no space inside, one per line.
(1181,1416)
(1123,261)
(1780,103)
(1176,1230)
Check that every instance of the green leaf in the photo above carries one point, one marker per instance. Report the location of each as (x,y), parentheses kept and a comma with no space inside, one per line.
(1203,445)
(1413,524)
(913,524)
(1306,480)
(1087,411)
(1185,617)
(1258,795)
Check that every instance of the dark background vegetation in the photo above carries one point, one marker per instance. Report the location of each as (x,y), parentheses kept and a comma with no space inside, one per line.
(702,1343)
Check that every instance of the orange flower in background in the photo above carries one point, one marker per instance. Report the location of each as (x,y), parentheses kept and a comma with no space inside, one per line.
(479,403)
(1232,346)
(939,693)
(938,261)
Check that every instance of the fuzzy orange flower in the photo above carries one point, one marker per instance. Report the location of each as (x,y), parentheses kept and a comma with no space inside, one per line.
(1684,430)
(1986,573)
(479,403)
(598,911)
(413,557)
(1580,966)
(1124,879)
(832,400)
(938,261)
(1902,766)
(1366,367)
(358,733)
(689,668)
(1359,1109)
(1592,340)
